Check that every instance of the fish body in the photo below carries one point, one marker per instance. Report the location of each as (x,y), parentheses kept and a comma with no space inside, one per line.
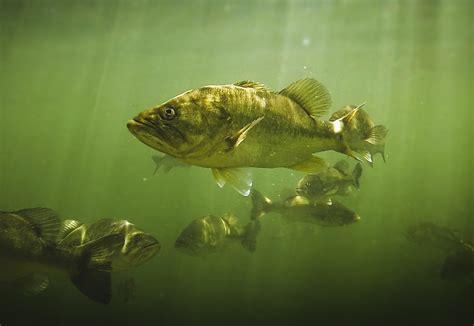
(227,127)
(433,235)
(29,255)
(210,234)
(23,250)
(458,265)
(336,180)
(137,247)
(301,209)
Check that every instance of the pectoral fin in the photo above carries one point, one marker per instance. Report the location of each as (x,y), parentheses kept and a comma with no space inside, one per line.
(238,179)
(312,165)
(236,139)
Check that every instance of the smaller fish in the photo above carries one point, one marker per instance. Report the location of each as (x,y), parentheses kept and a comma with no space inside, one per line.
(458,265)
(336,180)
(137,246)
(430,234)
(210,234)
(301,209)
(167,162)
(363,136)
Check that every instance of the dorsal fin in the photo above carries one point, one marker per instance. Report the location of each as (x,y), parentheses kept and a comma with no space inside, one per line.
(252,84)
(310,94)
(67,227)
(44,221)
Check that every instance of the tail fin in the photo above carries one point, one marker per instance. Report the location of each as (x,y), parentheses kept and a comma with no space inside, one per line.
(93,275)
(356,174)
(251,231)
(260,205)
(376,140)
(359,133)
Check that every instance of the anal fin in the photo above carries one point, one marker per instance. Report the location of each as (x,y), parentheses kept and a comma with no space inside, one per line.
(312,165)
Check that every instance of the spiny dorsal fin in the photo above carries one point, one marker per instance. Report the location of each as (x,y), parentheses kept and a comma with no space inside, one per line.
(44,221)
(67,227)
(252,84)
(310,94)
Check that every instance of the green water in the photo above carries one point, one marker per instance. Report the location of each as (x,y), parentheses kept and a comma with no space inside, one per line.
(73,72)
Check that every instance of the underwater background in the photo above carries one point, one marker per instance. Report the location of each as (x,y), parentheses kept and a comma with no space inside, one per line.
(73,72)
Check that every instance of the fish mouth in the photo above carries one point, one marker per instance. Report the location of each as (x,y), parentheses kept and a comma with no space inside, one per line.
(154,244)
(151,133)
(136,124)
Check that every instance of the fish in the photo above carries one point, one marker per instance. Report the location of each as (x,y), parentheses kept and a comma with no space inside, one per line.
(363,136)
(336,180)
(137,247)
(229,128)
(301,209)
(458,265)
(433,235)
(167,163)
(30,256)
(211,234)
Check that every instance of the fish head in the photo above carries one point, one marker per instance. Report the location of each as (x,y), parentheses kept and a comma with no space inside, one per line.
(311,186)
(138,247)
(195,238)
(185,126)
(338,214)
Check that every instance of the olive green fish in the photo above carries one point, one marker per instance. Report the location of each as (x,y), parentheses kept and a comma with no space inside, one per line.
(336,180)
(210,234)
(436,236)
(29,255)
(301,209)
(361,133)
(228,127)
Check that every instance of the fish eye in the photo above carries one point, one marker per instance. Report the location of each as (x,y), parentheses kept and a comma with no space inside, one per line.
(169,114)
(135,239)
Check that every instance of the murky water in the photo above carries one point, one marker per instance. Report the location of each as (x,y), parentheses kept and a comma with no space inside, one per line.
(73,72)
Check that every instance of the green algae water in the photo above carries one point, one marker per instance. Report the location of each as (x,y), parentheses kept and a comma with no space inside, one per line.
(73,72)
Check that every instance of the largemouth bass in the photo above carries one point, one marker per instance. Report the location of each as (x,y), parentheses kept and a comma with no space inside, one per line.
(29,255)
(211,233)
(301,209)
(227,127)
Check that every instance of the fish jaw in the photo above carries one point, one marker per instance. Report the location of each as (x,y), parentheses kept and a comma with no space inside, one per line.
(148,135)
